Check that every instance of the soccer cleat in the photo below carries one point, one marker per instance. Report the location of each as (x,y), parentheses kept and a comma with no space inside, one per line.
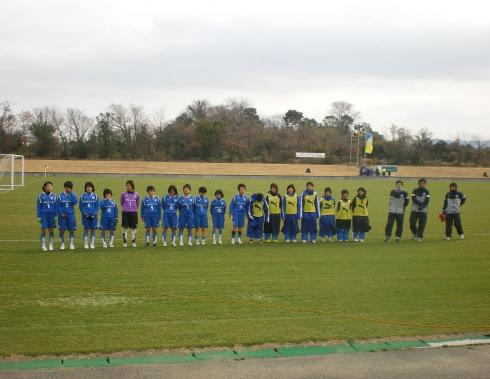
(275,241)
(413,237)
(287,241)
(147,244)
(174,243)
(133,244)
(330,239)
(62,246)
(397,239)
(164,243)
(203,242)
(461,236)
(51,247)
(44,248)
(304,241)
(196,241)
(239,240)
(387,239)
(419,239)
(233,241)
(220,241)
(314,241)
(104,244)
(111,243)
(92,245)
(181,243)
(361,241)
(356,240)
(294,241)
(154,244)
(448,238)
(125,244)
(189,242)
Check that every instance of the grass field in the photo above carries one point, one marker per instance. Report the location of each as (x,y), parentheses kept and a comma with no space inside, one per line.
(151,298)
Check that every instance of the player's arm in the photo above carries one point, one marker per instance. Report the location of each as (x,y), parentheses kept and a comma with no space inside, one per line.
(143,210)
(38,208)
(444,206)
(463,198)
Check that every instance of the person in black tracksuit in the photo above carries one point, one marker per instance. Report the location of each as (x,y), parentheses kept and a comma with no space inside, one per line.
(420,207)
(451,209)
(397,203)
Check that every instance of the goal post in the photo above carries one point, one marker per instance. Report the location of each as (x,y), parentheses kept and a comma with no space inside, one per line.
(11,171)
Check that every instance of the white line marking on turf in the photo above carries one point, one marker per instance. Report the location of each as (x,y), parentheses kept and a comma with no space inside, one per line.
(460,342)
(19,240)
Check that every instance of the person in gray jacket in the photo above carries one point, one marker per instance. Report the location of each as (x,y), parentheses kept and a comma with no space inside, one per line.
(451,209)
(397,204)
(420,207)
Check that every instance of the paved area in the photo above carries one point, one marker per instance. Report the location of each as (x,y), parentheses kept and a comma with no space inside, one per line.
(455,362)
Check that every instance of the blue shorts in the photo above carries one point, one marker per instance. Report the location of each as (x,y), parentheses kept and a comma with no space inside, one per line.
(238,219)
(107,223)
(152,220)
(170,220)
(218,220)
(67,222)
(201,220)
(186,220)
(48,221)
(89,223)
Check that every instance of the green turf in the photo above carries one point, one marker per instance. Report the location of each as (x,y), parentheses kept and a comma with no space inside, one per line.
(129,299)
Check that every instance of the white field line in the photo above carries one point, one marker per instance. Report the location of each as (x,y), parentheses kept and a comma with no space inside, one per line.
(460,342)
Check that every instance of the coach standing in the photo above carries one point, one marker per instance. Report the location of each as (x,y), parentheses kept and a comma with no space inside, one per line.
(420,206)
(397,204)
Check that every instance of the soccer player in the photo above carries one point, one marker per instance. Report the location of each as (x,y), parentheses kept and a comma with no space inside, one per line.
(257,212)
(66,214)
(398,201)
(311,212)
(46,213)
(108,217)
(344,217)
(360,217)
(420,207)
(201,215)
(291,213)
(451,208)
(89,207)
(130,201)
(150,215)
(170,203)
(186,206)
(218,210)
(327,215)
(238,207)
(273,226)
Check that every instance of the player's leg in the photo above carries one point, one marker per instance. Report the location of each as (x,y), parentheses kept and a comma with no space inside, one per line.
(458,225)
(389,226)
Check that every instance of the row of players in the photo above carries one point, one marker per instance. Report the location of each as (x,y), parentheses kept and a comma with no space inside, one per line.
(264,214)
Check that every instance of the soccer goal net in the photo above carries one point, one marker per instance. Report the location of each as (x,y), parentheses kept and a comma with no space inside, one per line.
(11,171)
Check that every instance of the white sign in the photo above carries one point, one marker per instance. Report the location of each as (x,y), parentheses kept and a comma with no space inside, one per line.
(310,155)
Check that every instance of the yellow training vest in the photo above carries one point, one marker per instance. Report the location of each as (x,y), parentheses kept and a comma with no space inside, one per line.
(361,207)
(258,209)
(327,207)
(309,203)
(291,204)
(344,212)
(274,202)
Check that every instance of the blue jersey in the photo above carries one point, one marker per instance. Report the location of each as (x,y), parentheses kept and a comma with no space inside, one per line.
(186,204)
(170,203)
(89,204)
(218,206)
(66,203)
(201,204)
(46,204)
(238,204)
(150,205)
(108,208)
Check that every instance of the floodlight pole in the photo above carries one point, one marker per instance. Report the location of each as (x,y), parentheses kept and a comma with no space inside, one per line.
(12,176)
(350,149)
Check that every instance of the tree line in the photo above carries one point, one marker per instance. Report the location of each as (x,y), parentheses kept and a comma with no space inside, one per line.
(229,132)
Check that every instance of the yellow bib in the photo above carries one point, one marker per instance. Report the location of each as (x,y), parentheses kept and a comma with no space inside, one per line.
(344,212)
(309,203)
(258,209)
(361,207)
(273,202)
(291,204)
(327,207)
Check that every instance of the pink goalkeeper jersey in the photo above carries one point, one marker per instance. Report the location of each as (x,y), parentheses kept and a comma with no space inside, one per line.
(130,201)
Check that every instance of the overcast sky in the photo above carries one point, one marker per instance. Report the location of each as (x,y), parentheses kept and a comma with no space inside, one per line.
(418,63)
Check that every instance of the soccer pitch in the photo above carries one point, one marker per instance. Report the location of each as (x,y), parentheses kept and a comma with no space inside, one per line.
(154,298)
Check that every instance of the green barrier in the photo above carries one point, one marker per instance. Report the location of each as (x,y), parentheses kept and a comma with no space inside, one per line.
(315,350)
(151,360)
(87,362)
(213,355)
(371,347)
(31,365)
(407,344)
(257,353)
